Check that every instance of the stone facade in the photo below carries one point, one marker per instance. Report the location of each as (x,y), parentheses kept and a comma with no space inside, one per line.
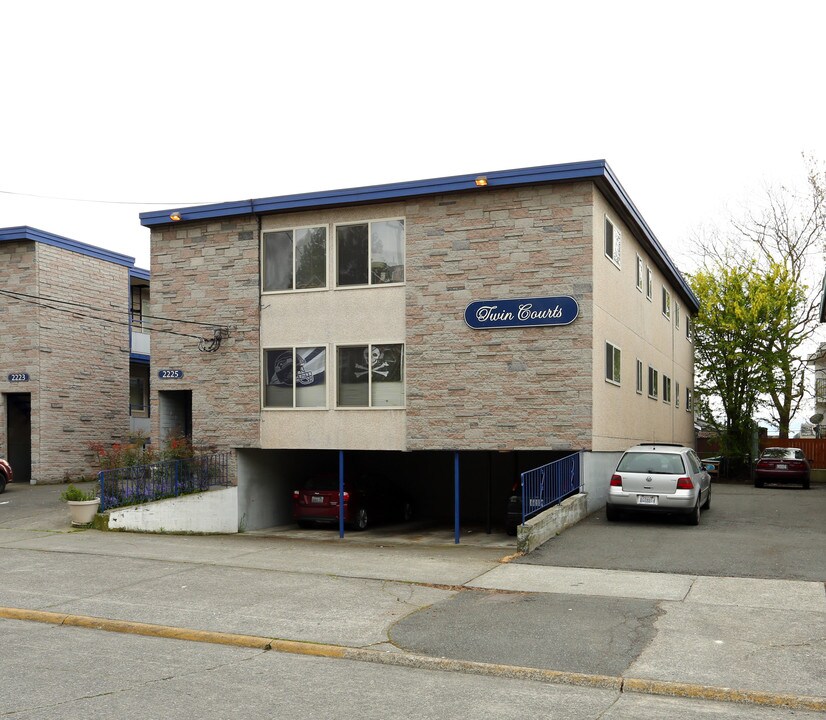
(208,273)
(77,363)
(508,389)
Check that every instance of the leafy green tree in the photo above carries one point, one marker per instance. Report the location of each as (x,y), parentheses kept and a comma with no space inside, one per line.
(777,243)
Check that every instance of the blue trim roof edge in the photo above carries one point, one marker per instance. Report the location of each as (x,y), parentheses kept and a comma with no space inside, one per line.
(25,232)
(597,170)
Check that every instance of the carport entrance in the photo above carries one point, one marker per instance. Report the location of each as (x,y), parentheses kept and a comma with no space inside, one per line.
(267,480)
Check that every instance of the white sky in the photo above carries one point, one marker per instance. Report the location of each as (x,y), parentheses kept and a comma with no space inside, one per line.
(695,106)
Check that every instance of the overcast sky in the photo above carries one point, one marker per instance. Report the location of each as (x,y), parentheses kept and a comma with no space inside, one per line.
(695,106)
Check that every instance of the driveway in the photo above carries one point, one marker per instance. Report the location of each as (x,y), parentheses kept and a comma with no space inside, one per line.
(773,532)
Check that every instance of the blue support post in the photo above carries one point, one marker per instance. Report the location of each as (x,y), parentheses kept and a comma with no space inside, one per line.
(102,496)
(456,531)
(341,493)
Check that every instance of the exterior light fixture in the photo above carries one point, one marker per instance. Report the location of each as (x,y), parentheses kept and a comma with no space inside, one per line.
(175,216)
(481,181)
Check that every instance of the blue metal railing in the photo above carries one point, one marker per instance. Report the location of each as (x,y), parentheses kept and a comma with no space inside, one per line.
(169,478)
(550,484)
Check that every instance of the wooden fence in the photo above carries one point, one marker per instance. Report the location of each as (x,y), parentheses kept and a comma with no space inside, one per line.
(813,448)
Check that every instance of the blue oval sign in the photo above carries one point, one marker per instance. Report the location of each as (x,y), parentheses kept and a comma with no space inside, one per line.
(521,312)
(19,377)
(170,374)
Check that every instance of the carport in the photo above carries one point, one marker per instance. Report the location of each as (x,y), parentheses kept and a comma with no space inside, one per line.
(448,488)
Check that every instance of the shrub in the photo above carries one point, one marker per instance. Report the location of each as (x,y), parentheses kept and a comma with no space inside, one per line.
(75,494)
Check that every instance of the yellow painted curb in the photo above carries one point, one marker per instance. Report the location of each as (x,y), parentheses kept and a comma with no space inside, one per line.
(424,662)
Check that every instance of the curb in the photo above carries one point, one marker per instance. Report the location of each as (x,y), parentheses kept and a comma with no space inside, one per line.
(401,659)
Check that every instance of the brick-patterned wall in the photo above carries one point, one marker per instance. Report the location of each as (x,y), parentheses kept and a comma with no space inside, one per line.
(18,337)
(498,389)
(208,272)
(84,362)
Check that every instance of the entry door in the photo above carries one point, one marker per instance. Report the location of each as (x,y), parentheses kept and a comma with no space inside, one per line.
(19,434)
(175,408)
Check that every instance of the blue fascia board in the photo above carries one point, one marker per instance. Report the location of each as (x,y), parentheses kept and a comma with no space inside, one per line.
(139,358)
(597,171)
(24,232)
(139,273)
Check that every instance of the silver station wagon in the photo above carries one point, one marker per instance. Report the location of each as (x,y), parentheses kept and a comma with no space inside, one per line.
(663,478)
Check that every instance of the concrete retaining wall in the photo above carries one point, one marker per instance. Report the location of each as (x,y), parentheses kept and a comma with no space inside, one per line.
(551,522)
(215,511)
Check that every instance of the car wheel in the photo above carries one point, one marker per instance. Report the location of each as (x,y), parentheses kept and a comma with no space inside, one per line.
(3,484)
(304,524)
(694,516)
(758,483)
(806,485)
(611,513)
(361,519)
(707,504)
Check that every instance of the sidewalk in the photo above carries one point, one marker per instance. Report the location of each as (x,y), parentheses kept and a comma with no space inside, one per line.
(451,608)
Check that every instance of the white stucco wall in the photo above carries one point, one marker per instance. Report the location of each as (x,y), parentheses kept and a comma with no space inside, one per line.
(624,317)
(215,511)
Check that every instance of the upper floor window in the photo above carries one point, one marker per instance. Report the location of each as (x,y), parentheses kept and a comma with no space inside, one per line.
(639,273)
(688,328)
(295,259)
(295,377)
(688,400)
(639,376)
(666,389)
(677,315)
(653,382)
(370,253)
(613,242)
(666,303)
(676,394)
(139,298)
(649,283)
(371,376)
(613,363)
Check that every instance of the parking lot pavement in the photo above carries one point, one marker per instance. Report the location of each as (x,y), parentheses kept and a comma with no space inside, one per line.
(772,532)
(711,632)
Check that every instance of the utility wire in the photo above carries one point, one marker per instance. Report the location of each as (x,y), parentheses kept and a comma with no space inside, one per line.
(41,303)
(86,306)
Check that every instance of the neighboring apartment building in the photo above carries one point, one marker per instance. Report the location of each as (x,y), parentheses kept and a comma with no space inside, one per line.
(68,373)
(375,321)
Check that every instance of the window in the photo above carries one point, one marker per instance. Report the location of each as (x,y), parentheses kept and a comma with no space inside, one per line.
(295,259)
(371,376)
(613,363)
(295,377)
(666,303)
(370,253)
(613,242)
(688,328)
(639,273)
(666,389)
(676,394)
(820,390)
(688,399)
(139,298)
(639,376)
(649,283)
(677,315)
(653,382)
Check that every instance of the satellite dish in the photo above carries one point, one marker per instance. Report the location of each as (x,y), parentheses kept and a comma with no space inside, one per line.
(816,419)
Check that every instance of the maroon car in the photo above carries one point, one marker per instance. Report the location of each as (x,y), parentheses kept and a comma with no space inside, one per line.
(6,475)
(367,499)
(782,465)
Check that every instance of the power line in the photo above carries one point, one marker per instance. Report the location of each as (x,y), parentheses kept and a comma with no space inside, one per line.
(40,303)
(86,306)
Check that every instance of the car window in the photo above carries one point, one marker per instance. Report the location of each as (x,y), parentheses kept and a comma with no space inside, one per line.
(798,455)
(652,463)
(694,461)
(322,482)
(774,453)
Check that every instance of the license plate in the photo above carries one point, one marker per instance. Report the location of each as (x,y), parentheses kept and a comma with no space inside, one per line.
(782,466)
(316,499)
(646,499)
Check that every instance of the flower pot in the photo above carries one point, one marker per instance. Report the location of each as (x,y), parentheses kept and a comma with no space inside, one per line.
(83,512)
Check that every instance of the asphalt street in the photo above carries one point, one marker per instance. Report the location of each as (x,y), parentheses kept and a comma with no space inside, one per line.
(461,616)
